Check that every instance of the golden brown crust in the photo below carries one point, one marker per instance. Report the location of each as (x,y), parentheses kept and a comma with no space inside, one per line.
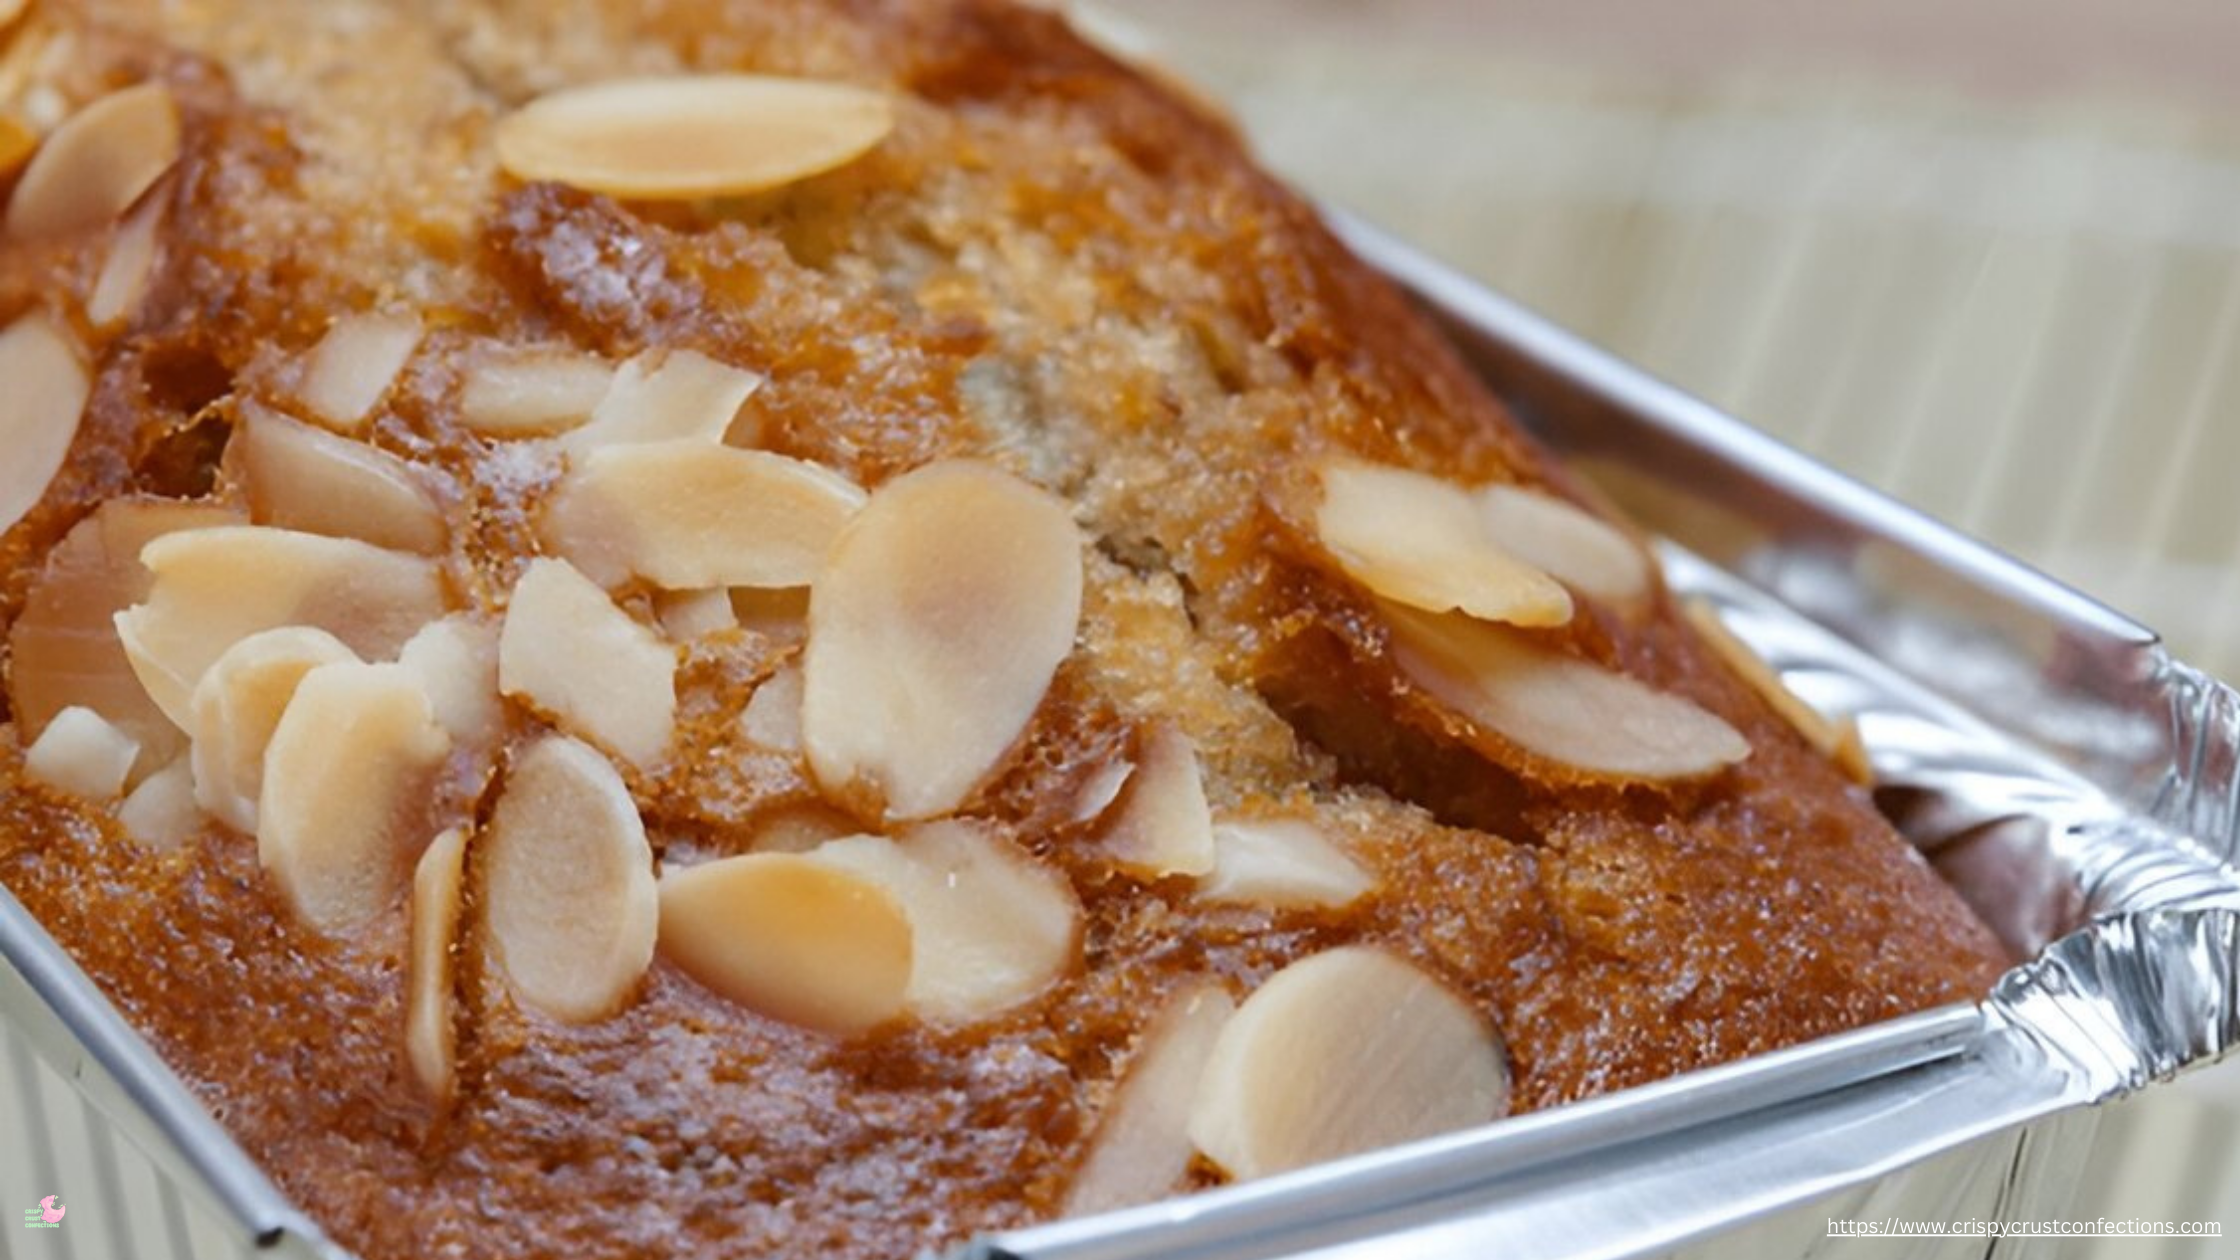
(1053,264)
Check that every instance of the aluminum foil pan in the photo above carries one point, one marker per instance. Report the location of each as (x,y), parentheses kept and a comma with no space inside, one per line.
(2079,787)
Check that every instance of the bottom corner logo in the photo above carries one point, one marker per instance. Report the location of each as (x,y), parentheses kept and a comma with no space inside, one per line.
(48,1215)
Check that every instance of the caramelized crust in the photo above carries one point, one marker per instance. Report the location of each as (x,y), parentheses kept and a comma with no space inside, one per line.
(1050,264)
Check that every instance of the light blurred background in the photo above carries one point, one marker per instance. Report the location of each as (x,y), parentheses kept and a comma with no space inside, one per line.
(1982,254)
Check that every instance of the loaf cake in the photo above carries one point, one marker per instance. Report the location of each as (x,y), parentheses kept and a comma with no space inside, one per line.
(680,628)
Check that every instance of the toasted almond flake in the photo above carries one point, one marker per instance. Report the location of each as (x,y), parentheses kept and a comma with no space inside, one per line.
(126,270)
(236,708)
(942,613)
(690,136)
(1570,544)
(97,163)
(456,660)
(82,754)
(214,587)
(1163,826)
(430,1040)
(797,940)
(569,885)
(17,143)
(799,829)
(1142,1145)
(532,393)
(64,646)
(566,649)
(39,410)
(665,396)
(1851,752)
(1097,793)
(300,477)
(351,369)
(685,515)
(990,927)
(160,815)
(1416,540)
(772,716)
(689,615)
(346,777)
(1752,669)
(1283,862)
(1348,1051)
(1569,711)
(781,614)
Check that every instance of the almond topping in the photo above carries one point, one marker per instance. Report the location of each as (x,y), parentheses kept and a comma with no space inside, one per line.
(17,143)
(1348,1051)
(687,515)
(430,1041)
(1851,752)
(799,829)
(689,615)
(1097,793)
(300,477)
(1142,1146)
(1837,741)
(1283,862)
(97,163)
(666,396)
(125,272)
(688,136)
(1569,711)
(532,393)
(794,939)
(1575,547)
(236,708)
(772,716)
(570,891)
(456,660)
(215,587)
(990,927)
(939,620)
(1163,827)
(351,369)
(39,411)
(65,646)
(1414,539)
(567,650)
(160,815)
(346,778)
(80,753)
(780,614)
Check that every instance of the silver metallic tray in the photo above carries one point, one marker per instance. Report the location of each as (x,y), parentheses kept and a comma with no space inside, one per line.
(2077,784)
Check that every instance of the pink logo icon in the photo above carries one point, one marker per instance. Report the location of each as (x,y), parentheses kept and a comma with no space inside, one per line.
(48,1215)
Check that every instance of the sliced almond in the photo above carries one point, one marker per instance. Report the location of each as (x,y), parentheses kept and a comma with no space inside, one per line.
(1569,711)
(1752,669)
(797,940)
(160,815)
(686,515)
(942,613)
(128,267)
(456,660)
(567,650)
(1348,1051)
(990,926)
(1851,752)
(18,141)
(1572,545)
(1142,1146)
(666,396)
(236,708)
(781,614)
(1417,540)
(430,1040)
(213,588)
(351,369)
(799,829)
(300,477)
(39,410)
(82,754)
(772,716)
(532,393)
(346,777)
(569,887)
(1098,792)
(97,163)
(689,136)
(1287,863)
(65,647)
(1163,826)
(689,615)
